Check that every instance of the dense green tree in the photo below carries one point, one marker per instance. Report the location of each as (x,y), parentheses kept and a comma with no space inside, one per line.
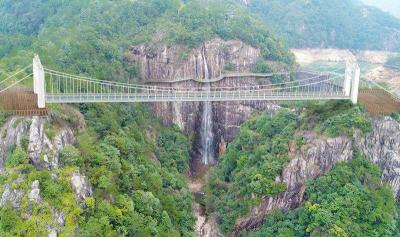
(348,201)
(329,23)
(250,166)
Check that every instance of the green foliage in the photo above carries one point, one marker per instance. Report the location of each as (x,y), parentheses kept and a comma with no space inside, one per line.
(3,118)
(348,201)
(396,115)
(250,166)
(174,150)
(18,157)
(135,166)
(140,163)
(10,222)
(69,155)
(88,37)
(336,118)
(333,23)
(262,67)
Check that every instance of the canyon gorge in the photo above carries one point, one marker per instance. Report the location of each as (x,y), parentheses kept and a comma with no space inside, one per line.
(214,59)
(218,57)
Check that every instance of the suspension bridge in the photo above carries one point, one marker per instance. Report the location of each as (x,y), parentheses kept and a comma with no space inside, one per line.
(51,86)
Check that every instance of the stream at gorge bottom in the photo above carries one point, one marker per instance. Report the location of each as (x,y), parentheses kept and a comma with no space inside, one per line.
(205,225)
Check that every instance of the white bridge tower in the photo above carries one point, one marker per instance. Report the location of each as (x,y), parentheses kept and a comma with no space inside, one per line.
(38,82)
(352,81)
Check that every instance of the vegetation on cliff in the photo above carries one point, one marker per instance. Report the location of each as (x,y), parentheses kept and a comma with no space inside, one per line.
(87,37)
(329,23)
(257,156)
(348,201)
(250,166)
(135,166)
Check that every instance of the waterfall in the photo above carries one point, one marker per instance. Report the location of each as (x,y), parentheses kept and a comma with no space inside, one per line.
(207,140)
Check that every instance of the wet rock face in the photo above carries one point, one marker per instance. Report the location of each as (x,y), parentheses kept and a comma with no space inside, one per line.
(382,147)
(175,62)
(308,162)
(171,63)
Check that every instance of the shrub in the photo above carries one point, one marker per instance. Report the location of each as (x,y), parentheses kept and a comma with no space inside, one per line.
(70,156)
(18,157)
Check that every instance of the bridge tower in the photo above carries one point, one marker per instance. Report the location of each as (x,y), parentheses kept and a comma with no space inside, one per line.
(38,82)
(352,81)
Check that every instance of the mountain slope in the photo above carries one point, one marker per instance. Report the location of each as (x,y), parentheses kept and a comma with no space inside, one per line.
(329,23)
(391,6)
(88,37)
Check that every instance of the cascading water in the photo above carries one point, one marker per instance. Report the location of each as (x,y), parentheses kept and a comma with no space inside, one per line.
(207,138)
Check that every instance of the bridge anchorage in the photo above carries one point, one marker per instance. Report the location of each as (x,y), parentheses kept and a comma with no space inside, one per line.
(51,86)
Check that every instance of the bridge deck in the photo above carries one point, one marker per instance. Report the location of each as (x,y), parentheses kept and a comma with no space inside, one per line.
(182,97)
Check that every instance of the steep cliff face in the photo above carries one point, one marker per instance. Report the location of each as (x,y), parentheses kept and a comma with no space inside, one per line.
(176,62)
(43,138)
(166,64)
(381,146)
(42,142)
(308,162)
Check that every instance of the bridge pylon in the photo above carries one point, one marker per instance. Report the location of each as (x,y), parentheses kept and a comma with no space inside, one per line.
(352,81)
(38,82)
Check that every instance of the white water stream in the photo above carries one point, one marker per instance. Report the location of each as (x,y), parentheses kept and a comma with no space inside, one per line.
(207,139)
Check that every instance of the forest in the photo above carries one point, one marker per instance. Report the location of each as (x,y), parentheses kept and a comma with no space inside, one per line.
(324,24)
(138,165)
(350,200)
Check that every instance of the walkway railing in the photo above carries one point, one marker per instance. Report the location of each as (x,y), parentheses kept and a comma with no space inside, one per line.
(53,86)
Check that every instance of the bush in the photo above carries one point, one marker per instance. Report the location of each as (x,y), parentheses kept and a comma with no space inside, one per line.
(396,115)
(18,157)
(69,155)
(336,118)
(350,200)
(251,164)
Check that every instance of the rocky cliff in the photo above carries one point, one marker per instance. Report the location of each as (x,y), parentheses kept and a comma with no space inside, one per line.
(43,138)
(166,64)
(381,146)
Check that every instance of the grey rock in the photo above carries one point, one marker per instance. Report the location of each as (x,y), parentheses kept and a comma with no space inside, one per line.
(166,64)
(59,216)
(12,196)
(43,152)
(81,185)
(34,194)
(322,154)
(382,147)
(40,145)
(53,233)
(11,134)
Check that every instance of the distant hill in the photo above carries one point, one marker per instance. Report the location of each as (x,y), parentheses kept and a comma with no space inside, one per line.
(391,6)
(86,36)
(329,23)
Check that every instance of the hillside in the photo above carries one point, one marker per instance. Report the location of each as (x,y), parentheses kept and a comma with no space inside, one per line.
(322,24)
(88,37)
(294,169)
(391,6)
(123,175)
